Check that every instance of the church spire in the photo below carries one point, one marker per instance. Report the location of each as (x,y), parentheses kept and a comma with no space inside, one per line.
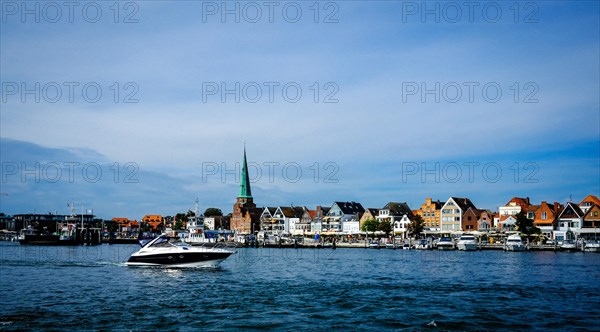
(245,191)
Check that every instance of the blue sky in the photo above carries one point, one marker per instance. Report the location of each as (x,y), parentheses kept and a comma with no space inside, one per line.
(374,133)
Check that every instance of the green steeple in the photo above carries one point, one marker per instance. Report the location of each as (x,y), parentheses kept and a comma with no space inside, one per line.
(245,191)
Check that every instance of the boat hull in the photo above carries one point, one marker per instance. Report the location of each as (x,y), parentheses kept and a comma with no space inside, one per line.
(514,247)
(445,247)
(467,246)
(186,259)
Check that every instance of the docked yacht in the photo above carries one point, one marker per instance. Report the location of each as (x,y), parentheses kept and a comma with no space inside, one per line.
(467,242)
(592,246)
(171,252)
(568,245)
(422,245)
(445,243)
(514,243)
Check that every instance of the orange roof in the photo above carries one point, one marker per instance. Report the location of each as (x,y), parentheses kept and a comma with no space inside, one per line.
(591,198)
(522,202)
(152,217)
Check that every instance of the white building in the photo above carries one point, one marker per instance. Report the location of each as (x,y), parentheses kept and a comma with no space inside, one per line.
(570,220)
(452,213)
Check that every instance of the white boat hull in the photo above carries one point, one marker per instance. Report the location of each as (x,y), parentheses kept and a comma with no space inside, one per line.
(514,247)
(467,246)
(592,248)
(205,264)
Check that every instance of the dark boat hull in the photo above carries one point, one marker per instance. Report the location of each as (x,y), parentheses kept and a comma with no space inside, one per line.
(185,259)
(41,240)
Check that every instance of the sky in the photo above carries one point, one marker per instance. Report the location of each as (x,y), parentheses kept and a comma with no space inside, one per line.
(142,107)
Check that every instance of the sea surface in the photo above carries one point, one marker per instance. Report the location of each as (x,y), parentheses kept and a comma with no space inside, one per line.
(90,288)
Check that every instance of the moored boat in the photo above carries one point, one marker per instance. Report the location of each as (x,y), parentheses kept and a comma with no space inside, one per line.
(568,245)
(445,243)
(592,246)
(374,245)
(422,245)
(514,243)
(34,237)
(467,242)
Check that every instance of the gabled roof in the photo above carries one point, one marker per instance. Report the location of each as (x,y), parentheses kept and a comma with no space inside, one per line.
(463,203)
(571,206)
(476,212)
(437,204)
(373,211)
(270,210)
(350,207)
(398,209)
(522,202)
(592,199)
(292,211)
(588,214)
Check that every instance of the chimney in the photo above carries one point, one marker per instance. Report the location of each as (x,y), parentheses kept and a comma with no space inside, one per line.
(527,200)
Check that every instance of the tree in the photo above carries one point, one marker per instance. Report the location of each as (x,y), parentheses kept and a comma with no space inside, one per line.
(386,227)
(525,225)
(370,225)
(180,217)
(416,226)
(211,212)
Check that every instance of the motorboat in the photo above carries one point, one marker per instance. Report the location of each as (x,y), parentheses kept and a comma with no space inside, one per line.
(172,252)
(374,245)
(406,246)
(568,245)
(35,237)
(422,245)
(514,243)
(467,242)
(592,246)
(445,243)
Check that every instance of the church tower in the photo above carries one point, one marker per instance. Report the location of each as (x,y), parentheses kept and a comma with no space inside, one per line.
(245,196)
(245,216)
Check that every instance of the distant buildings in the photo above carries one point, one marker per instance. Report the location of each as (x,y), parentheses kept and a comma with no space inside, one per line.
(456,214)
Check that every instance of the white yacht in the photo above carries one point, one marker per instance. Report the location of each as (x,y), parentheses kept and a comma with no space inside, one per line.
(171,252)
(592,246)
(445,243)
(422,245)
(467,242)
(514,243)
(568,245)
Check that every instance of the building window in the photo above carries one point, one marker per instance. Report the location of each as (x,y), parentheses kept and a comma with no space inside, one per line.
(544,215)
(595,213)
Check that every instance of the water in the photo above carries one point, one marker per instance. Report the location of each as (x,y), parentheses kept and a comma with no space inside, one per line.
(290,289)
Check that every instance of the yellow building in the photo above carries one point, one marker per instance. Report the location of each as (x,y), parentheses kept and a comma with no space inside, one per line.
(430,212)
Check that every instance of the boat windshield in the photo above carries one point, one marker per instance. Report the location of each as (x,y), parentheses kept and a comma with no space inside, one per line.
(165,241)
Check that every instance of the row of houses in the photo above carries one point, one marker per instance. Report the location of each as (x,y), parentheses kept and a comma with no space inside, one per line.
(456,214)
